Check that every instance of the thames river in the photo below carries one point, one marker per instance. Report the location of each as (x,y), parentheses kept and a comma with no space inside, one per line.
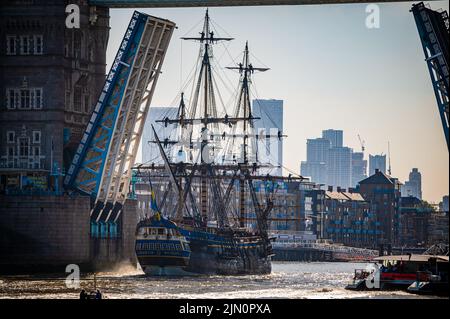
(315,280)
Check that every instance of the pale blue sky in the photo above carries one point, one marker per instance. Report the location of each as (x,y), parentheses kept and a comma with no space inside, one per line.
(332,72)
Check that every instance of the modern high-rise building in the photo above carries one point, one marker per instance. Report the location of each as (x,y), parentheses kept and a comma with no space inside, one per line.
(336,137)
(339,161)
(339,167)
(316,171)
(443,206)
(150,151)
(413,186)
(359,168)
(317,150)
(270,113)
(328,162)
(315,166)
(377,162)
(415,177)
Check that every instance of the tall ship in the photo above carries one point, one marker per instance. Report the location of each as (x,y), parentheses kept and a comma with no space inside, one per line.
(208,216)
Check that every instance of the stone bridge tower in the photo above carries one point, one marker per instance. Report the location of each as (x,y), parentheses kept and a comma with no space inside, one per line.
(50,77)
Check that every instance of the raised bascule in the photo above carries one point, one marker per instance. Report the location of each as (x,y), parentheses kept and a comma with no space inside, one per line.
(101,167)
(433,27)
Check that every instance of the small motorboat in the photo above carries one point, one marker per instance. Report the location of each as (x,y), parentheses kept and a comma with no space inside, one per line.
(432,283)
(401,272)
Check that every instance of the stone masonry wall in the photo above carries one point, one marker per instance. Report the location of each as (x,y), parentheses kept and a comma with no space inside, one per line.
(46,233)
(45,230)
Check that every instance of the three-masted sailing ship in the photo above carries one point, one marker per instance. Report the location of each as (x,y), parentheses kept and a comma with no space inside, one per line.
(194,232)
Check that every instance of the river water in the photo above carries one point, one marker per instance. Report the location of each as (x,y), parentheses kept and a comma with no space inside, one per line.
(287,280)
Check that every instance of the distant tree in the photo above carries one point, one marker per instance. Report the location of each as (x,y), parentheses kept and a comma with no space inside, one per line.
(427,206)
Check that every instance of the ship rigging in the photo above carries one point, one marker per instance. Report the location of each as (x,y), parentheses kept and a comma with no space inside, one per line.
(214,160)
(205,198)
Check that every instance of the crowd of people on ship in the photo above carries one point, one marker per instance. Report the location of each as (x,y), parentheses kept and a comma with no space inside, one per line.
(399,266)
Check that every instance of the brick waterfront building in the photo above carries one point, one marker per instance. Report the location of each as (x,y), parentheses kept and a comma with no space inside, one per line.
(383,192)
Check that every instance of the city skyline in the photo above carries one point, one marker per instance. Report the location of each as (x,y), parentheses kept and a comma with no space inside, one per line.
(332,70)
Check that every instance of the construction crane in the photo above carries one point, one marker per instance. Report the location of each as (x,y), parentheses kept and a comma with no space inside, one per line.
(363,144)
(389,159)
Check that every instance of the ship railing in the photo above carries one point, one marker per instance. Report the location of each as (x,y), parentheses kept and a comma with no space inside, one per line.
(249,240)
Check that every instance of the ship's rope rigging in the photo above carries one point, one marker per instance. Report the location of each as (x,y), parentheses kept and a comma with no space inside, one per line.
(227,150)
(224,152)
(232,140)
(216,107)
(206,105)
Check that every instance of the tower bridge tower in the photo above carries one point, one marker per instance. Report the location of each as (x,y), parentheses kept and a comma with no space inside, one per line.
(50,79)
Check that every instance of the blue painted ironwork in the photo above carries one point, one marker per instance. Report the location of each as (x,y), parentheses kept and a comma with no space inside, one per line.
(101,167)
(433,27)
(87,166)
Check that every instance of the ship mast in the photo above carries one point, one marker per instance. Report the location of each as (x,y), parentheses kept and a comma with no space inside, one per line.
(206,40)
(245,69)
(203,111)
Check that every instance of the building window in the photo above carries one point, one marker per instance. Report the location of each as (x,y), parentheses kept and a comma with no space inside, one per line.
(77,45)
(24,99)
(11,136)
(77,99)
(38,44)
(36,136)
(11,45)
(25,44)
(16,98)
(86,104)
(37,99)
(10,99)
(29,44)
(68,105)
(24,147)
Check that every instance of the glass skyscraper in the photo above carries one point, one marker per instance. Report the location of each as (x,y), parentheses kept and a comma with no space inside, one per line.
(336,137)
(377,162)
(270,151)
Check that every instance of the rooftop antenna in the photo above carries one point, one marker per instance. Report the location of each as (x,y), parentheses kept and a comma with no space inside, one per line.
(389,159)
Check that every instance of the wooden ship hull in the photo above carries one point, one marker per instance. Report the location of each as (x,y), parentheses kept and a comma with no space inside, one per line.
(179,250)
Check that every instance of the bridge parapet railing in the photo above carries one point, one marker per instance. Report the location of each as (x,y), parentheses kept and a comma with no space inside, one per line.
(326,247)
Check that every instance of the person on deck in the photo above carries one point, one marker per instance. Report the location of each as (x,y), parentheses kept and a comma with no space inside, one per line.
(389,267)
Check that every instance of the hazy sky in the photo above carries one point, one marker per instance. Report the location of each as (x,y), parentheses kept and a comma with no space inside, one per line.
(331,71)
